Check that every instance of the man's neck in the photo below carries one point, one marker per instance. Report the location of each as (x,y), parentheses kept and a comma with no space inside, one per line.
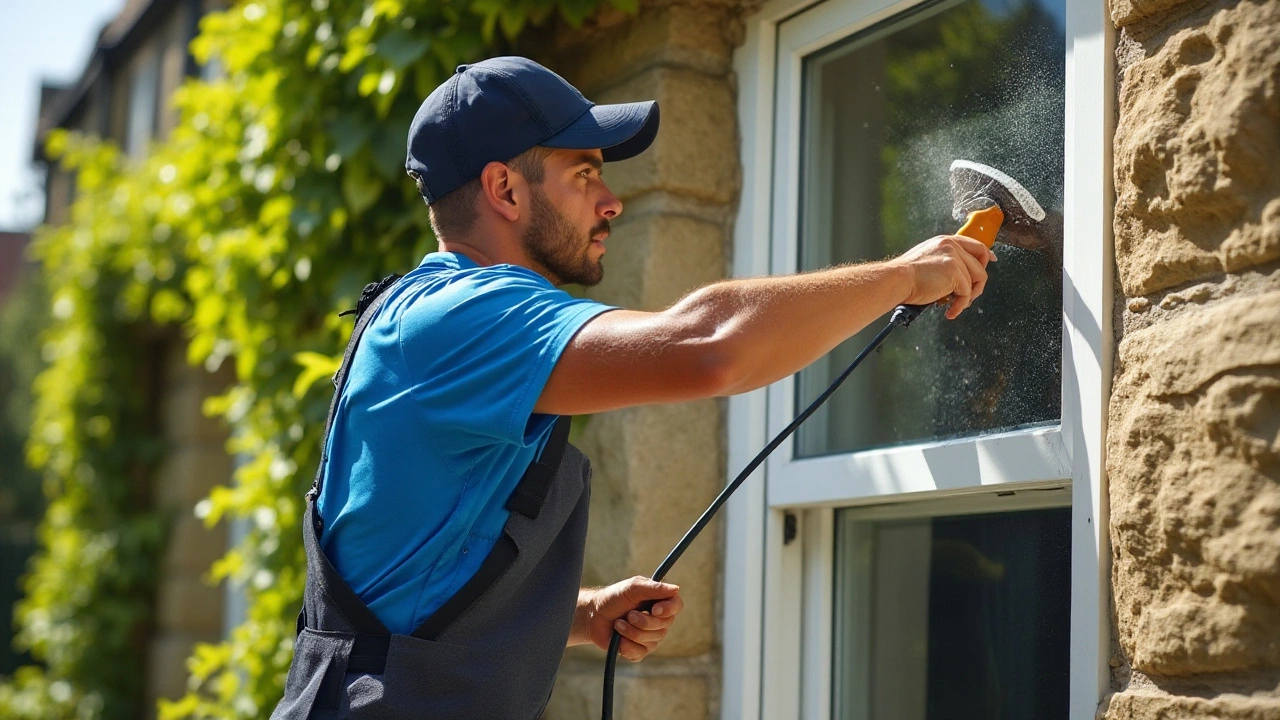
(487,256)
(477,255)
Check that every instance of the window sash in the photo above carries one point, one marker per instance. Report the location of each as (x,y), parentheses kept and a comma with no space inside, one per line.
(1016,456)
(1024,457)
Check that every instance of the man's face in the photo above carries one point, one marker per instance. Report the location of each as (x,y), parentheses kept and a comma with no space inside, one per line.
(569,217)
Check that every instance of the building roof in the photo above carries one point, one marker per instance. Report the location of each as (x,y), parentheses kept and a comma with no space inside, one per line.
(116,40)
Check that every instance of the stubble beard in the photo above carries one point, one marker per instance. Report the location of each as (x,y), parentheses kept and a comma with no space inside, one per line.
(558,247)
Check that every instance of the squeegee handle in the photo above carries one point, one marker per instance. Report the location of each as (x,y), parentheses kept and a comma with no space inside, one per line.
(982,225)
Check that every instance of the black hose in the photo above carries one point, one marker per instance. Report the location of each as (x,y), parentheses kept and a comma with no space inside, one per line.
(902,316)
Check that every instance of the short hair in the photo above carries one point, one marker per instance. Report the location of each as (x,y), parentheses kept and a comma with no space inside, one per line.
(455,213)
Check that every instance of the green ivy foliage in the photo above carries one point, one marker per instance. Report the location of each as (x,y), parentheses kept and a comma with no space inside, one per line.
(279,194)
(23,314)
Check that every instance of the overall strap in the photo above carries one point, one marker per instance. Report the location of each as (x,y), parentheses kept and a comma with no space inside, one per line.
(532,490)
(371,299)
(336,593)
(321,574)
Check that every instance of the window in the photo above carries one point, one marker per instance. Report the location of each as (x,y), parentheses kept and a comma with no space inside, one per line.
(144,87)
(938,529)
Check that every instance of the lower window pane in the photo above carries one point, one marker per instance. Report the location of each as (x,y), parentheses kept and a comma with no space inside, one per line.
(953,617)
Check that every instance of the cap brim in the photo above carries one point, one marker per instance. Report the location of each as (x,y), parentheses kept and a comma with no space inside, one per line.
(620,131)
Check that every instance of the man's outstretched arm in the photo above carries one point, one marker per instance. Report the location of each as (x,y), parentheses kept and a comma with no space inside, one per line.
(738,335)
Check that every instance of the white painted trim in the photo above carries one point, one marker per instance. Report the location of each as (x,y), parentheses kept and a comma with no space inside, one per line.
(783,592)
(1087,342)
(854,636)
(744,536)
(942,468)
(742,631)
(819,540)
(1049,495)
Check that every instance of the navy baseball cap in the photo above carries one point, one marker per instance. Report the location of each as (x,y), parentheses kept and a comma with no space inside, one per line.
(496,109)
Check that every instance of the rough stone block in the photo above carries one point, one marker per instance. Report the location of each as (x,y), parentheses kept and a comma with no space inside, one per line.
(184,421)
(167,664)
(672,698)
(1197,182)
(186,604)
(679,54)
(1127,12)
(192,547)
(699,36)
(696,151)
(1156,706)
(187,474)
(1194,468)
(653,260)
(185,389)
(577,697)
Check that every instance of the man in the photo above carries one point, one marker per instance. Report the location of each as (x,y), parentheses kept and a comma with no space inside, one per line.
(446,548)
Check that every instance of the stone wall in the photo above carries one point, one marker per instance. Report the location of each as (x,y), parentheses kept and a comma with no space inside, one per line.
(1194,436)
(188,609)
(657,468)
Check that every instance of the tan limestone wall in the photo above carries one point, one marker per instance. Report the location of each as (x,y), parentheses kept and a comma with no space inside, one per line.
(657,468)
(188,609)
(1194,435)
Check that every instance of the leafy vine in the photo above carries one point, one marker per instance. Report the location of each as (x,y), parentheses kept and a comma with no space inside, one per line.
(279,193)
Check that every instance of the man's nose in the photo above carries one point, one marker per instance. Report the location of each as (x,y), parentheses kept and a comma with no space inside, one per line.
(610,206)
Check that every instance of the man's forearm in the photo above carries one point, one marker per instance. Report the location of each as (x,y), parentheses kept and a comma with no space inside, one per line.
(737,335)
(770,327)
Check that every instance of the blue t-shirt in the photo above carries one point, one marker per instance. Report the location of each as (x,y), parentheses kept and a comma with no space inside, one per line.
(435,428)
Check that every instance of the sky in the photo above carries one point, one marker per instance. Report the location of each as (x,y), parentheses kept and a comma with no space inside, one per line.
(39,40)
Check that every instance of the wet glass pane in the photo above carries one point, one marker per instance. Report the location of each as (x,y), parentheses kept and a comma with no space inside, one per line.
(952,618)
(885,113)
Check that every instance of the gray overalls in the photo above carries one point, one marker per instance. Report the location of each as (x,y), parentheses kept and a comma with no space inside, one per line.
(492,650)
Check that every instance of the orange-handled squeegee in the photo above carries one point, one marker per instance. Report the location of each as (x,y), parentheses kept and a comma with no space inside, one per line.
(982,225)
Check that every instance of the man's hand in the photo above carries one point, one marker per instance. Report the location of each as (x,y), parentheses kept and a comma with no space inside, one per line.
(617,607)
(947,266)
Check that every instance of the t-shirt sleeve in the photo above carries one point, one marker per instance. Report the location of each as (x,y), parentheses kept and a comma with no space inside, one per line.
(479,352)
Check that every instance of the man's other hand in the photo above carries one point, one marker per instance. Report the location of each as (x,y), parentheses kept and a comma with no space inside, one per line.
(618,607)
(947,266)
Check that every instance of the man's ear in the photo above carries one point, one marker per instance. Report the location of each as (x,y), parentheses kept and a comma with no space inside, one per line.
(505,191)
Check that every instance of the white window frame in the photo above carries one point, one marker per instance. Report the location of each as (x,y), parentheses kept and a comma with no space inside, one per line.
(777,596)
